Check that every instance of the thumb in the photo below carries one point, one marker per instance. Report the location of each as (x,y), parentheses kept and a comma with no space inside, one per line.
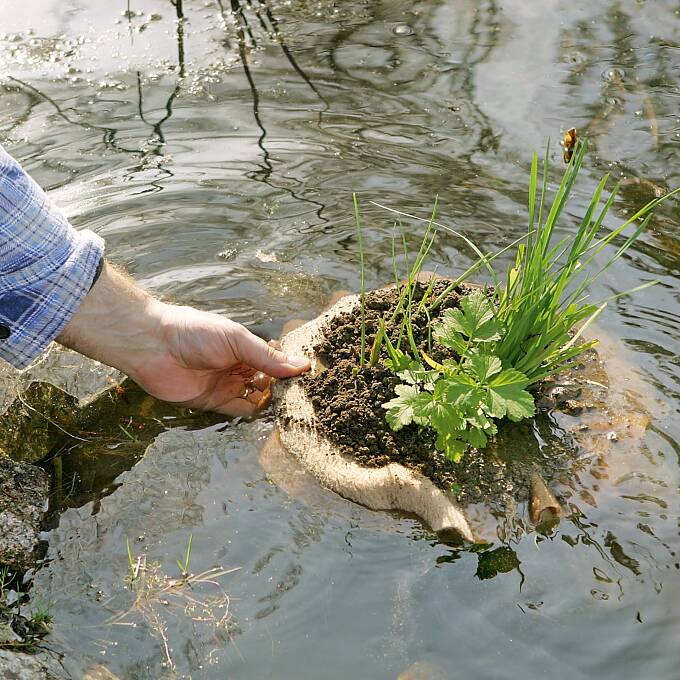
(263,357)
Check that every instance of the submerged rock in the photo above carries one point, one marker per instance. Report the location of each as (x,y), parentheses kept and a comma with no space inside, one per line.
(34,422)
(24,492)
(42,403)
(21,666)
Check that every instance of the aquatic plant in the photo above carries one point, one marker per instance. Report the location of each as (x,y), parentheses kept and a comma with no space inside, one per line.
(511,336)
(156,597)
(185,566)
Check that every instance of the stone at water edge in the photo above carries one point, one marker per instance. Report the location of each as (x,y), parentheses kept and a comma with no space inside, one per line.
(22,666)
(24,493)
(391,487)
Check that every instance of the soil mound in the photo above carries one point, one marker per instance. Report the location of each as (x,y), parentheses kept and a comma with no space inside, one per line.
(332,420)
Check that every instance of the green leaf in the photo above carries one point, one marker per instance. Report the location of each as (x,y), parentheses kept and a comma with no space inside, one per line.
(483,366)
(417,374)
(400,410)
(452,447)
(478,419)
(446,418)
(507,396)
(435,411)
(460,390)
(474,319)
(398,362)
(476,437)
(444,334)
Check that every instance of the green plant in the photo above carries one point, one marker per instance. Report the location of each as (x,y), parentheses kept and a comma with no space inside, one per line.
(28,627)
(508,338)
(134,565)
(5,580)
(42,614)
(545,296)
(362,354)
(184,566)
(127,433)
(40,621)
(460,398)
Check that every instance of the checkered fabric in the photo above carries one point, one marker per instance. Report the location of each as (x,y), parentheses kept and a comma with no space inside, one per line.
(46,266)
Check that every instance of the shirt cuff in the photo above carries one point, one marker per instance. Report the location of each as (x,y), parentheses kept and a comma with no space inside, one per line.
(32,316)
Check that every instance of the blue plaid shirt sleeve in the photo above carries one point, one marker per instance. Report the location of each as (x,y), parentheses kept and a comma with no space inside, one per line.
(46,266)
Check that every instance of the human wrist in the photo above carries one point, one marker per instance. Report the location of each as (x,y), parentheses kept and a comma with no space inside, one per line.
(118,323)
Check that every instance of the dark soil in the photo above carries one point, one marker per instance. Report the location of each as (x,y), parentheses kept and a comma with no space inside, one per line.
(350,414)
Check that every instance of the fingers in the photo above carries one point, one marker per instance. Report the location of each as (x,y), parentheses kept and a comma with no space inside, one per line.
(238,408)
(257,353)
(260,381)
(244,392)
(248,406)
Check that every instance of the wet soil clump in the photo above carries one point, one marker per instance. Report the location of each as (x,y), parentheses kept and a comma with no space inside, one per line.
(348,405)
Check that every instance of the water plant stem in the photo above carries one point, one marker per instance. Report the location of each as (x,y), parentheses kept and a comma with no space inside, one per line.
(363,282)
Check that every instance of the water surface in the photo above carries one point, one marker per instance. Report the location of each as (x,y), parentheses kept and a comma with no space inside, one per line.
(215,145)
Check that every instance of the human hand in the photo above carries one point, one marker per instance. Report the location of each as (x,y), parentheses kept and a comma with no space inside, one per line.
(178,354)
(213,364)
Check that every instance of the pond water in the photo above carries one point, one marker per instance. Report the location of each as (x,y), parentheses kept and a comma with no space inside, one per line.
(215,145)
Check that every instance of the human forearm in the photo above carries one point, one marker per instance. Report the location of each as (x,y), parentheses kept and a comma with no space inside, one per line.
(177,354)
(118,323)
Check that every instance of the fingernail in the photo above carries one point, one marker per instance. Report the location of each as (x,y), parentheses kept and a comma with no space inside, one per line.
(298,362)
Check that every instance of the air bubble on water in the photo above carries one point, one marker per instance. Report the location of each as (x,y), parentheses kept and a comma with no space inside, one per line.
(402,29)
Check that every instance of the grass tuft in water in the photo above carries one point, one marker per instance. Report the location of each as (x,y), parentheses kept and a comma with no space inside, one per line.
(546,292)
(184,566)
(156,598)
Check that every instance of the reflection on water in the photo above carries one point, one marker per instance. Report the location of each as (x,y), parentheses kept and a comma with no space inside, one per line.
(196,136)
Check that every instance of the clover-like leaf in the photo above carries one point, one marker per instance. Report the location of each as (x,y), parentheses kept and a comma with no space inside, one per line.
(451,446)
(476,437)
(479,419)
(440,414)
(461,390)
(444,333)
